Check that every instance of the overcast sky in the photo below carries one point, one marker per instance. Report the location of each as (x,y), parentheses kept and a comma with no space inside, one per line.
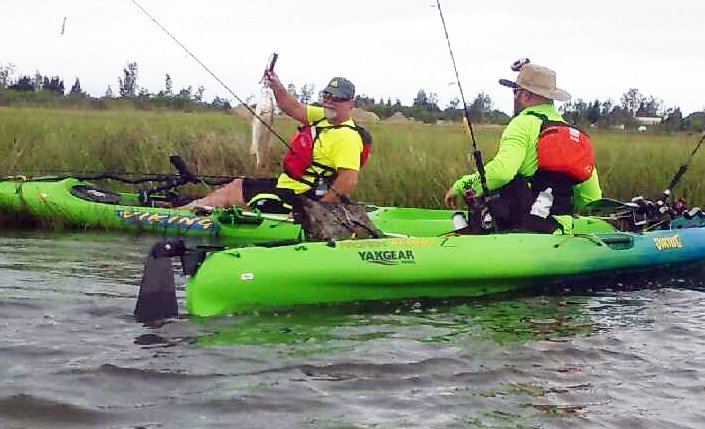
(388,48)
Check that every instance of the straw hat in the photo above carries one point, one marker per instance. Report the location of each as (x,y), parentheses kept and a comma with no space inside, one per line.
(539,80)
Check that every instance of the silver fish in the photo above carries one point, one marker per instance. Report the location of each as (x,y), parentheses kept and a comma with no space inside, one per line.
(259,146)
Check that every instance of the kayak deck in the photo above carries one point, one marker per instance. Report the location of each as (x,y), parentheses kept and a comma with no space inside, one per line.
(56,202)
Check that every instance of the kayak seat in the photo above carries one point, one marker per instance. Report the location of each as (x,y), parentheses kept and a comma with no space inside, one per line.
(95,194)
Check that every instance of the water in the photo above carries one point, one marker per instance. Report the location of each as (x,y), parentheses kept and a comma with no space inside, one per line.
(71,355)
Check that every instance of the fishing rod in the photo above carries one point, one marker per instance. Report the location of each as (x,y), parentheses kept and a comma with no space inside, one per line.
(270,68)
(476,153)
(183,177)
(681,171)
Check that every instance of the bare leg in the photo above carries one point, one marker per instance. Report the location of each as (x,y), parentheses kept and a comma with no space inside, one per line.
(225,196)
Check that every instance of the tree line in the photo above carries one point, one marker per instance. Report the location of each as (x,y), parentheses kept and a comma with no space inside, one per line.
(625,114)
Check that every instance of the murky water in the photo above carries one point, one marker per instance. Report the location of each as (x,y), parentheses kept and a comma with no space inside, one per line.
(72,356)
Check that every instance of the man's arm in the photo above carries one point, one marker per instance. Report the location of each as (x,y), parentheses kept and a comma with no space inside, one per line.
(345,182)
(587,191)
(287,102)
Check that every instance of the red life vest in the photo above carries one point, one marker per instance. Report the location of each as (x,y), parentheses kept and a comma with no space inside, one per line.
(299,157)
(565,148)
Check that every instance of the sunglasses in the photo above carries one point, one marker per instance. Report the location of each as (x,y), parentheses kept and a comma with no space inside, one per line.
(328,96)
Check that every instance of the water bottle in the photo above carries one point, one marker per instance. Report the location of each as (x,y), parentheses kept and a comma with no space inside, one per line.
(542,205)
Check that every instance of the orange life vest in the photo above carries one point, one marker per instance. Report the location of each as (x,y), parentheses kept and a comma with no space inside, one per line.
(565,148)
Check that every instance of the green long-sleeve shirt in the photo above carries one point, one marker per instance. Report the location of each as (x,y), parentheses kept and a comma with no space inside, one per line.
(517,155)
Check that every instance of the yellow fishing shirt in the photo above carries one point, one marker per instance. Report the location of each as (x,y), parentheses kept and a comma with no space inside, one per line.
(335,147)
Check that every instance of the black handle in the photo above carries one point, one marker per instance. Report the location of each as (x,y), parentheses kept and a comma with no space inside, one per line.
(273,62)
(186,175)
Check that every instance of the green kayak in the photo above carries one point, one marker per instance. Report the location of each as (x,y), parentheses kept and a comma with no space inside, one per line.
(74,202)
(247,278)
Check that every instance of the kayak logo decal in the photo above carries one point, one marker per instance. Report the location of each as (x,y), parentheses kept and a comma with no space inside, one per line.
(174,221)
(663,243)
(387,257)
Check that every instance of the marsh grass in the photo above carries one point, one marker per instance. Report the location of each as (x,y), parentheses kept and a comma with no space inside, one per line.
(412,163)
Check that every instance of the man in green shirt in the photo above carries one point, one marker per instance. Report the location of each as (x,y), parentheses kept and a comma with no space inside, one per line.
(534,92)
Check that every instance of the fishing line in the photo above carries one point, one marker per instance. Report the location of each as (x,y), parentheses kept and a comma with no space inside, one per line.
(212,74)
(477,155)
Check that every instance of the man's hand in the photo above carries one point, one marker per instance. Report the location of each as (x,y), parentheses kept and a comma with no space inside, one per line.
(271,79)
(450,198)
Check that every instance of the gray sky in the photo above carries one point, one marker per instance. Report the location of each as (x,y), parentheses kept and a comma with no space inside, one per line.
(388,48)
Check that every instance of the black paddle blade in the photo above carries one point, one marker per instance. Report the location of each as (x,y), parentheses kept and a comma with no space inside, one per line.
(607,207)
(157,296)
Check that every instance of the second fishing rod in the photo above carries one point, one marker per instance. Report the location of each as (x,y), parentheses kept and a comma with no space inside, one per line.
(479,213)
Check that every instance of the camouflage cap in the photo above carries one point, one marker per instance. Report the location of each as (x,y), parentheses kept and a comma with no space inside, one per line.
(339,87)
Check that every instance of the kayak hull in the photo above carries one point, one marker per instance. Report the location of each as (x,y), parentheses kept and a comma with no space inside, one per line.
(400,268)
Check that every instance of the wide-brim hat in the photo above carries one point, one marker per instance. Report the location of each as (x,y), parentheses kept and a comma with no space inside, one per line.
(539,80)
(339,87)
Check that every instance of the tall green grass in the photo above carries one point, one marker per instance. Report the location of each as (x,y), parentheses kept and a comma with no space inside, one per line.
(412,163)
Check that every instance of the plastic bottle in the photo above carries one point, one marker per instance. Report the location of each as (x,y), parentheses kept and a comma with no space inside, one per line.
(542,205)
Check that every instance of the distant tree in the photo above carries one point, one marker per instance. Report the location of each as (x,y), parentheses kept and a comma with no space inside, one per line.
(480,107)
(128,83)
(631,100)
(185,93)
(24,83)
(421,98)
(38,80)
(607,107)
(454,103)
(653,106)
(198,96)
(76,88)
(167,85)
(695,121)
(220,103)
(53,84)
(593,114)
(362,100)
(433,101)
(673,120)
(424,101)
(306,94)
(6,72)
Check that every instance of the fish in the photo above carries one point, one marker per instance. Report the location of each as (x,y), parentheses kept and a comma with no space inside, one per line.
(259,146)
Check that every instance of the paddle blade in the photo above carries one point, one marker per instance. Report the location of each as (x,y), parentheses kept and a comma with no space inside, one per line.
(157,296)
(607,207)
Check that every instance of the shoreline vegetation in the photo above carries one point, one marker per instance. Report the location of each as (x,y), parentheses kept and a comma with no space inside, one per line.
(412,163)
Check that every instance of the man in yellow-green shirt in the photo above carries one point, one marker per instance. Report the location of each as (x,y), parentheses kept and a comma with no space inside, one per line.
(337,147)
(516,161)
